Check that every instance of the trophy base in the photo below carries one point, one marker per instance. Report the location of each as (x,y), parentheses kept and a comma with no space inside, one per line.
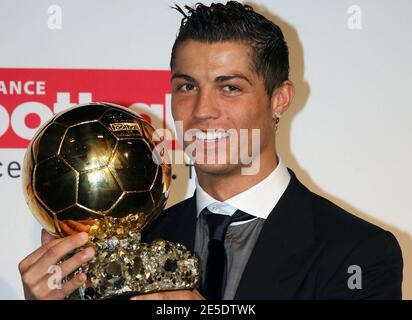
(129,266)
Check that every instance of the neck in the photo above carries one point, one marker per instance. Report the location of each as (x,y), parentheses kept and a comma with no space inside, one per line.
(223,186)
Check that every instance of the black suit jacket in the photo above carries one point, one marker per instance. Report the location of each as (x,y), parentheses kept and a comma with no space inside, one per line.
(304,250)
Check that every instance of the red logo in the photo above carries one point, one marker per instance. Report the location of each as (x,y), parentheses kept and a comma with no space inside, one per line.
(30,97)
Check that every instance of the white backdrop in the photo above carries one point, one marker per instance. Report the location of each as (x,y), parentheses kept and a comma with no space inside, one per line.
(347,134)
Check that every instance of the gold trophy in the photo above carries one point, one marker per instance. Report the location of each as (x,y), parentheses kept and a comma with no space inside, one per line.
(97,168)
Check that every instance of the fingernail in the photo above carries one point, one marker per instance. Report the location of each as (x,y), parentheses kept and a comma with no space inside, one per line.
(83,236)
(82,277)
(88,252)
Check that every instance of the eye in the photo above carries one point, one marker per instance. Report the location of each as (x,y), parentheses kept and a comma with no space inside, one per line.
(231,90)
(187,87)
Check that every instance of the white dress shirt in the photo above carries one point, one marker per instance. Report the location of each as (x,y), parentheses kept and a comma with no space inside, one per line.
(269,190)
(240,237)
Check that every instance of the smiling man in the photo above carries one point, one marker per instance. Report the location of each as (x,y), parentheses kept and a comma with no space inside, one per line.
(262,235)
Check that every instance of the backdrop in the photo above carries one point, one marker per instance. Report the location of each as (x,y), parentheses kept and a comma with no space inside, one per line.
(347,134)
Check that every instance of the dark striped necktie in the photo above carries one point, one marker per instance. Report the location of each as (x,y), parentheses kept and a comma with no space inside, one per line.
(216,261)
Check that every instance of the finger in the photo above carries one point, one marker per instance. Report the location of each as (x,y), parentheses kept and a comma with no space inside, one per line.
(67,229)
(77,226)
(51,256)
(48,282)
(46,237)
(198,294)
(69,287)
(35,255)
(170,295)
(46,288)
(88,222)
(73,263)
(150,296)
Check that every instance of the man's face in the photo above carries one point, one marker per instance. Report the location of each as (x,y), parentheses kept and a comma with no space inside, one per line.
(214,88)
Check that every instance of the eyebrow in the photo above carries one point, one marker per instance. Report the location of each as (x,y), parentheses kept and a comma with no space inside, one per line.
(183,76)
(217,79)
(233,76)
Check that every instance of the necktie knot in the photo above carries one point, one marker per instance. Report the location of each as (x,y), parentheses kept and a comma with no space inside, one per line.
(218,223)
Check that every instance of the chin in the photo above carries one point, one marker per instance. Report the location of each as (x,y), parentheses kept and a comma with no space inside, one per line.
(216,169)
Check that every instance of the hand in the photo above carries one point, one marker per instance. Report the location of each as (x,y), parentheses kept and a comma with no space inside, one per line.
(34,268)
(171,295)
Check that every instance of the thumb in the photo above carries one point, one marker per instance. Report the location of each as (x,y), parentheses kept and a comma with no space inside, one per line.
(46,237)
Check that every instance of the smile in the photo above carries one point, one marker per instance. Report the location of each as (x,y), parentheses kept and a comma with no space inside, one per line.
(211,136)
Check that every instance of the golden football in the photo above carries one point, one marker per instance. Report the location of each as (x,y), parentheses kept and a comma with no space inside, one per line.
(98,168)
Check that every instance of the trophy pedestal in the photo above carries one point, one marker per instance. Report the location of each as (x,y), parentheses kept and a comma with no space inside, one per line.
(129,266)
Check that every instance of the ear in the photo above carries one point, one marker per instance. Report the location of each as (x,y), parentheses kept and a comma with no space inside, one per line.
(282,97)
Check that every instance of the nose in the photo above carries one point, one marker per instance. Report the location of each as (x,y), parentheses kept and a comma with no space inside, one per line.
(206,105)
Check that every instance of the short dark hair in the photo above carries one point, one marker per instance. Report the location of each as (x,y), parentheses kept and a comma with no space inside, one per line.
(234,21)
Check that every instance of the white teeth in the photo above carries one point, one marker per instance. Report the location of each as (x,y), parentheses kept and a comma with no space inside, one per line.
(211,135)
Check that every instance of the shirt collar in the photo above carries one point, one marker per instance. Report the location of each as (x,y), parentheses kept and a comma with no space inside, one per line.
(270,189)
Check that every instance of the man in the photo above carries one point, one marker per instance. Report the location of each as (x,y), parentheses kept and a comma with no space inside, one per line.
(261,235)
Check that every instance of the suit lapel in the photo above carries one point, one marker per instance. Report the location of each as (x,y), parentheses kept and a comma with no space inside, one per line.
(177,225)
(185,231)
(282,250)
